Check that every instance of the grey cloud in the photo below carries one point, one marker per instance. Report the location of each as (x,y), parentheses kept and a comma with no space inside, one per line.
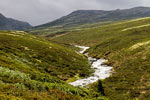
(41,11)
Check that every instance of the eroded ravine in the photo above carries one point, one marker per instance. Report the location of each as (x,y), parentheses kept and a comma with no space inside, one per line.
(101,71)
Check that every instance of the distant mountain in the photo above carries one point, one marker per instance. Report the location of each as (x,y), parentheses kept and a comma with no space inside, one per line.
(12,24)
(81,17)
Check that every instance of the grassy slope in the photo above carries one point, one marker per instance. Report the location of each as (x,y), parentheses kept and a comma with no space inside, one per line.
(126,46)
(33,68)
(60,30)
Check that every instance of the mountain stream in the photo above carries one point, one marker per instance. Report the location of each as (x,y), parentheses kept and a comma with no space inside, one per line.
(102,71)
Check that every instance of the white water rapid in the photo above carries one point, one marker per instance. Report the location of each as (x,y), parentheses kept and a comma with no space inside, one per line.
(101,71)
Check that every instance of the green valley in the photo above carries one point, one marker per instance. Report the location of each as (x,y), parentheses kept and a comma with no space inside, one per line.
(86,55)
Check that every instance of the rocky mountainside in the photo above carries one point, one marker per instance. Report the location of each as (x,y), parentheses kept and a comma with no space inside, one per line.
(81,17)
(12,24)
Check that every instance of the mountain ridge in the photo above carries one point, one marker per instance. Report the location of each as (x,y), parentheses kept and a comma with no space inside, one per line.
(12,24)
(80,17)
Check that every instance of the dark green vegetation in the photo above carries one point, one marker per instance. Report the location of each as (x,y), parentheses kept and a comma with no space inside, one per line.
(126,46)
(12,24)
(35,69)
(83,17)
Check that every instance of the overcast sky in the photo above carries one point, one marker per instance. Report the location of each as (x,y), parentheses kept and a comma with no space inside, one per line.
(42,11)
